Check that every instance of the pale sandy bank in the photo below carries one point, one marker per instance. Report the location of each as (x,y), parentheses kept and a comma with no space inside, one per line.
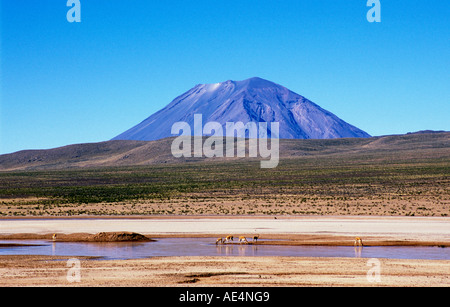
(225,271)
(398,228)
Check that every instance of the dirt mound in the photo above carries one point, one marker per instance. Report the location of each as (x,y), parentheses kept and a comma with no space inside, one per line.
(81,237)
(119,237)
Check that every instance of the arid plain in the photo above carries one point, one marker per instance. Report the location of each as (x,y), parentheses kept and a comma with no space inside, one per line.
(23,270)
(389,190)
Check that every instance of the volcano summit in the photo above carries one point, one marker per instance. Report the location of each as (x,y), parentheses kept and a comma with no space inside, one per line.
(251,100)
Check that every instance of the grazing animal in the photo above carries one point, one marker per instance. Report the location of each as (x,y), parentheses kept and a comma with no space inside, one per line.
(54,237)
(255,238)
(243,240)
(358,241)
(219,241)
(228,239)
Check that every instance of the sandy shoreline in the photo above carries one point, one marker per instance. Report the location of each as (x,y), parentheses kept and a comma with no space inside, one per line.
(224,272)
(234,271)
(425,229)
(270,239)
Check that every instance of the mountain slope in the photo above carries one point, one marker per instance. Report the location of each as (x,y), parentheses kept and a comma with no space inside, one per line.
(132,153)
(255,100)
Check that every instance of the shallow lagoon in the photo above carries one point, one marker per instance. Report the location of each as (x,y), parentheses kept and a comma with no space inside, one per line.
(205,247)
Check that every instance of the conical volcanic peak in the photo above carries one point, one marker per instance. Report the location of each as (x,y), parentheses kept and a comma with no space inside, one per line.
(250,100)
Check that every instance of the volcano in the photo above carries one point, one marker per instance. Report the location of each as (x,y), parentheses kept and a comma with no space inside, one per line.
(251,100)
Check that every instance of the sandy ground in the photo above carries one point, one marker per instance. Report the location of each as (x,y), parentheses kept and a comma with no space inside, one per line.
(236,271)
(410,228)
(224,271)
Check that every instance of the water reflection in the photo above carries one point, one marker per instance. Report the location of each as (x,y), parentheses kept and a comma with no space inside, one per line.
(358,251)
(241,250)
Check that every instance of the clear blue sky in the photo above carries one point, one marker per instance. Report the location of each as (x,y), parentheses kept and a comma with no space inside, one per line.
(65,83)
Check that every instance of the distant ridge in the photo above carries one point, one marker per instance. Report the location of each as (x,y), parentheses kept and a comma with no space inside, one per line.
(251,100)
(132,153)
(427,131)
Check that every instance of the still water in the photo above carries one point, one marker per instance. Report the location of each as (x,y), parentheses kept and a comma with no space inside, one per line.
(206,247)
